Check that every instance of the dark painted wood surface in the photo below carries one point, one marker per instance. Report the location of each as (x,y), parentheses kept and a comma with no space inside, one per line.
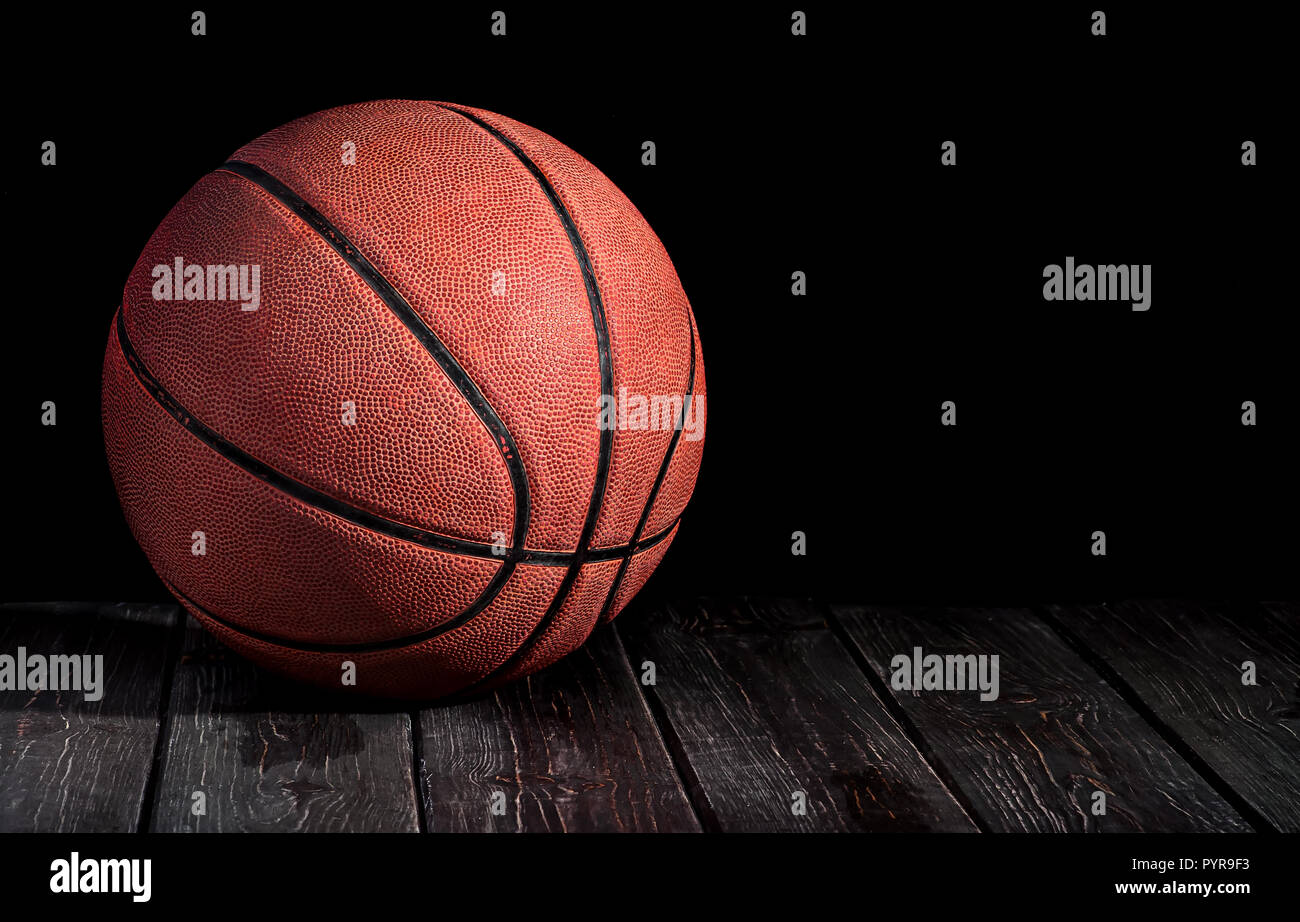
(757,706)
(266,757)
(572,749)
(72,765)
(1185,662)
(766,705)
(1034,758)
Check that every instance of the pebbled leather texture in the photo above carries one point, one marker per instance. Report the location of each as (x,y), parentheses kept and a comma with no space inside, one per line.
(468,219)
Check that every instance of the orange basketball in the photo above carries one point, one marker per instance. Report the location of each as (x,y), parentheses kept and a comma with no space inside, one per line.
(407,386)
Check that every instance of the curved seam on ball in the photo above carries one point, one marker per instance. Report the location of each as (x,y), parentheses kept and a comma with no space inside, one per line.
(688,396)
(315,499)
(600,324)
(423,333)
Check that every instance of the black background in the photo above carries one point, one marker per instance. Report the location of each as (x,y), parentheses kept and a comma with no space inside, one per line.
(776,154)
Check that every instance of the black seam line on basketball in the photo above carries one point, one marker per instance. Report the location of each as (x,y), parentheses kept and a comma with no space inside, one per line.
(606,389)
(356,647)
(687,398)
(326,503)
(296,490)
(369,646)
(455,373)
(282,482)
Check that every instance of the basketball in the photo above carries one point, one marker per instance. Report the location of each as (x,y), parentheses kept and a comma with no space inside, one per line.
(405,398)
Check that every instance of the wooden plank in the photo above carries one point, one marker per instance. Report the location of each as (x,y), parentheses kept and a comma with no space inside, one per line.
(72,765)
(274,756)
(1184,660)
(763,701)
(571,749)
(1032,759)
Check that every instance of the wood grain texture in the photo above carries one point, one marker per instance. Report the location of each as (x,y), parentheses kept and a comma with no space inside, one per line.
(270,756)
(71,765)
(1032,759)
(571,749)
(764,701)
(1185,659)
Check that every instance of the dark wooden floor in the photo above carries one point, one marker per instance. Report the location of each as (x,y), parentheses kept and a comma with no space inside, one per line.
(756,707)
